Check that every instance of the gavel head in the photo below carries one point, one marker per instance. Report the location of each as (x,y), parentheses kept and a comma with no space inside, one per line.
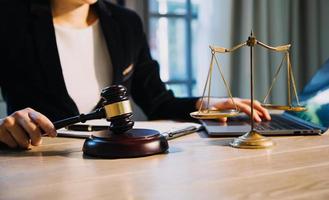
(117,108)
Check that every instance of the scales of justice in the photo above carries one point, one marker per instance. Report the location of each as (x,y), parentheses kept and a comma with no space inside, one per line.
(252,139)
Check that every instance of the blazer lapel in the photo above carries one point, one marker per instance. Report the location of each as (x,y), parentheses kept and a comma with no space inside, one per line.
(111,31)
(46,46)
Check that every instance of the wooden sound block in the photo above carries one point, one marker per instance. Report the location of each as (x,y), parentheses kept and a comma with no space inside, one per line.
(133,143)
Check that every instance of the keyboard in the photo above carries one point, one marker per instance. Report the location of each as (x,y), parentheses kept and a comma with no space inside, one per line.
(278,122)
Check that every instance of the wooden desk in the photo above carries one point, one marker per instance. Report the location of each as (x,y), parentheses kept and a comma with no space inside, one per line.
(196,167)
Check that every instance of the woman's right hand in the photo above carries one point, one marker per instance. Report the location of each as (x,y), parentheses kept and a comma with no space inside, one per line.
(24,128)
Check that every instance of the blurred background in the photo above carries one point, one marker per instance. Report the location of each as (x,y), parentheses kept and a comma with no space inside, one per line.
(180,32)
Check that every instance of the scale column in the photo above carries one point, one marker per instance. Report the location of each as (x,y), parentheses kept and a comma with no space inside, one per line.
(252,139)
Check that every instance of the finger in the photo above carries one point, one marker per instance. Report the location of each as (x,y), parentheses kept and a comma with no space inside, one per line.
(222,119)
(259,113)
(7,139)
(43,122)
(16,132)
(260,108)
(31,129)
(263,110)
(247,109)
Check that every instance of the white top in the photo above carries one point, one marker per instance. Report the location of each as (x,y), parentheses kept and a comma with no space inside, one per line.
(86,63)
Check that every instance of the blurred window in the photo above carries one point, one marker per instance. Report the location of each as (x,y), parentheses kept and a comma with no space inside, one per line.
(171,33)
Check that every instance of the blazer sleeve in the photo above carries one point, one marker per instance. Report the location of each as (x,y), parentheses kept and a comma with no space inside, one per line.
(150,93)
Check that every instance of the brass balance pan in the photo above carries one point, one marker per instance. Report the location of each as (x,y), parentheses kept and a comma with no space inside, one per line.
(285,107)
(214,114)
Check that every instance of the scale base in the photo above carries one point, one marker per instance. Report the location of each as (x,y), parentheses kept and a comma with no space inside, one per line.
(133,143)
(252,140)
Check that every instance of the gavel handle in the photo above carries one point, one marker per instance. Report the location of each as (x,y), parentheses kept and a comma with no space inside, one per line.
(98,114)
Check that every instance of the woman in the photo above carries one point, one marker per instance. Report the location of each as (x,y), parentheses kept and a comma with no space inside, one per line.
(58,54)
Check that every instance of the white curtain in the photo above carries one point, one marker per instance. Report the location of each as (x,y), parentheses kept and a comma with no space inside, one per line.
(302,23)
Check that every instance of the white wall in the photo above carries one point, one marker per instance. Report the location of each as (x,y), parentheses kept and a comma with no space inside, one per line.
(213,29)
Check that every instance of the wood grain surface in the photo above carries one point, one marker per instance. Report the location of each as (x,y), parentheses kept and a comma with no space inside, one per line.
(195,167)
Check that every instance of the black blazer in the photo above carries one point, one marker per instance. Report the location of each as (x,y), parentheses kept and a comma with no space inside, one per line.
(31,74)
